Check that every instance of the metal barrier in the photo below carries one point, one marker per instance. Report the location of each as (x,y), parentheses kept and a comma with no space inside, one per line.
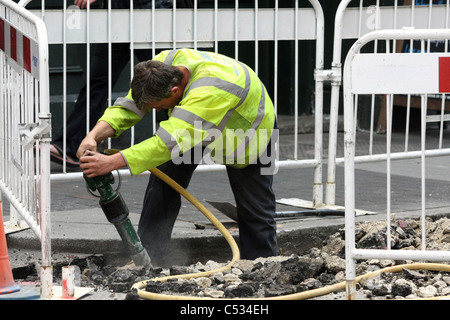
(353,20)
(421,75)
(200,28)
(25,132)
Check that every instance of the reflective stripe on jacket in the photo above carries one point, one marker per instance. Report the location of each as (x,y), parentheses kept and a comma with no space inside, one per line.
(225,108)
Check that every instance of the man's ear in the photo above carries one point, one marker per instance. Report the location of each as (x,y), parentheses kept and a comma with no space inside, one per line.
(175,90)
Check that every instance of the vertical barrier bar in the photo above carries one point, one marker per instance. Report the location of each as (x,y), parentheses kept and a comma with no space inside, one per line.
(174,25)
(349,165)
(64,84)
(45,189)
(109,25)
(195,23)
(154,53)
(88,66)
(388,175)
(330,189)
(296,81)
(275,61)
(236,28)
(318,123)
(423,129)
(256,37)
(132,56)
(46,264)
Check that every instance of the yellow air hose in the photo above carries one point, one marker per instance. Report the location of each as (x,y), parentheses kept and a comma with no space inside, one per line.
(236,255)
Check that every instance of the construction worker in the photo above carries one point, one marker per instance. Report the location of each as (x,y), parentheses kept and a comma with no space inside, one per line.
(219,111)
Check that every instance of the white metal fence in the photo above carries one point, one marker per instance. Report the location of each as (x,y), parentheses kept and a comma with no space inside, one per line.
(354,19)
(25,131)
(417,75)
(392,64)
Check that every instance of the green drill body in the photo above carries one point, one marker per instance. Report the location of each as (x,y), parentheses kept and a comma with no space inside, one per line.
(116,212)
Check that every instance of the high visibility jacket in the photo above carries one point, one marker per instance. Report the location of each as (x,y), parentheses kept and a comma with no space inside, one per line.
(225,108)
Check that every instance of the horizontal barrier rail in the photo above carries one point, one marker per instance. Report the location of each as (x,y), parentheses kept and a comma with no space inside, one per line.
(185,27)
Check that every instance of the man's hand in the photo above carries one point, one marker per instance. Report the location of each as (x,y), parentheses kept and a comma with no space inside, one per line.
(94,163)
(88,144)
(83,3)
(97,164)
(100,132)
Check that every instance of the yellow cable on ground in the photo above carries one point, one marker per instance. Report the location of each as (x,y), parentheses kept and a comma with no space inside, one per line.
(341,285)
(236,256)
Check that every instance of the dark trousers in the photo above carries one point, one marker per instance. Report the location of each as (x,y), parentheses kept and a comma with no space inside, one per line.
(255,201)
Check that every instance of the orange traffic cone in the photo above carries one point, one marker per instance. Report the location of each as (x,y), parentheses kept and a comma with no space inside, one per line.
(7,284)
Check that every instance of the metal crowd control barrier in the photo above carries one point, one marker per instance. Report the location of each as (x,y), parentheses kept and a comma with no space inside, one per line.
(354,19)
(200,28)
(417,74)
(25,131)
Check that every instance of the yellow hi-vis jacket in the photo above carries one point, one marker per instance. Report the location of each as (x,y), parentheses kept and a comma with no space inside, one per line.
(225,108)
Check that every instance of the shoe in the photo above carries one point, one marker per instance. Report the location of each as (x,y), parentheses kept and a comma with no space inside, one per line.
(56,156)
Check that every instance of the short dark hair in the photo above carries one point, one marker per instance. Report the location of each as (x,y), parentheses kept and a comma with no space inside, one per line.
(152,81)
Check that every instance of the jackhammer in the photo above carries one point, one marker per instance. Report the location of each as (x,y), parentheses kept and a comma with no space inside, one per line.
(116,212)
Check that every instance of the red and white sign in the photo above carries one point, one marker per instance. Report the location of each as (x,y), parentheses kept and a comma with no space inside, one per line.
(444,74)
(22,52)
(401,73)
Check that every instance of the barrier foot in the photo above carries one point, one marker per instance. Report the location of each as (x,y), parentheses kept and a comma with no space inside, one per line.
(46,281)
(350,289)
(68,290)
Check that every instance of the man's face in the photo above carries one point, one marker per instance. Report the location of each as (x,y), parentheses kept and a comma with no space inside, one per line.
(167,103)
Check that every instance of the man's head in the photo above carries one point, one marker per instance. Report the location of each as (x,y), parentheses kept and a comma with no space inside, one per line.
(153,82)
